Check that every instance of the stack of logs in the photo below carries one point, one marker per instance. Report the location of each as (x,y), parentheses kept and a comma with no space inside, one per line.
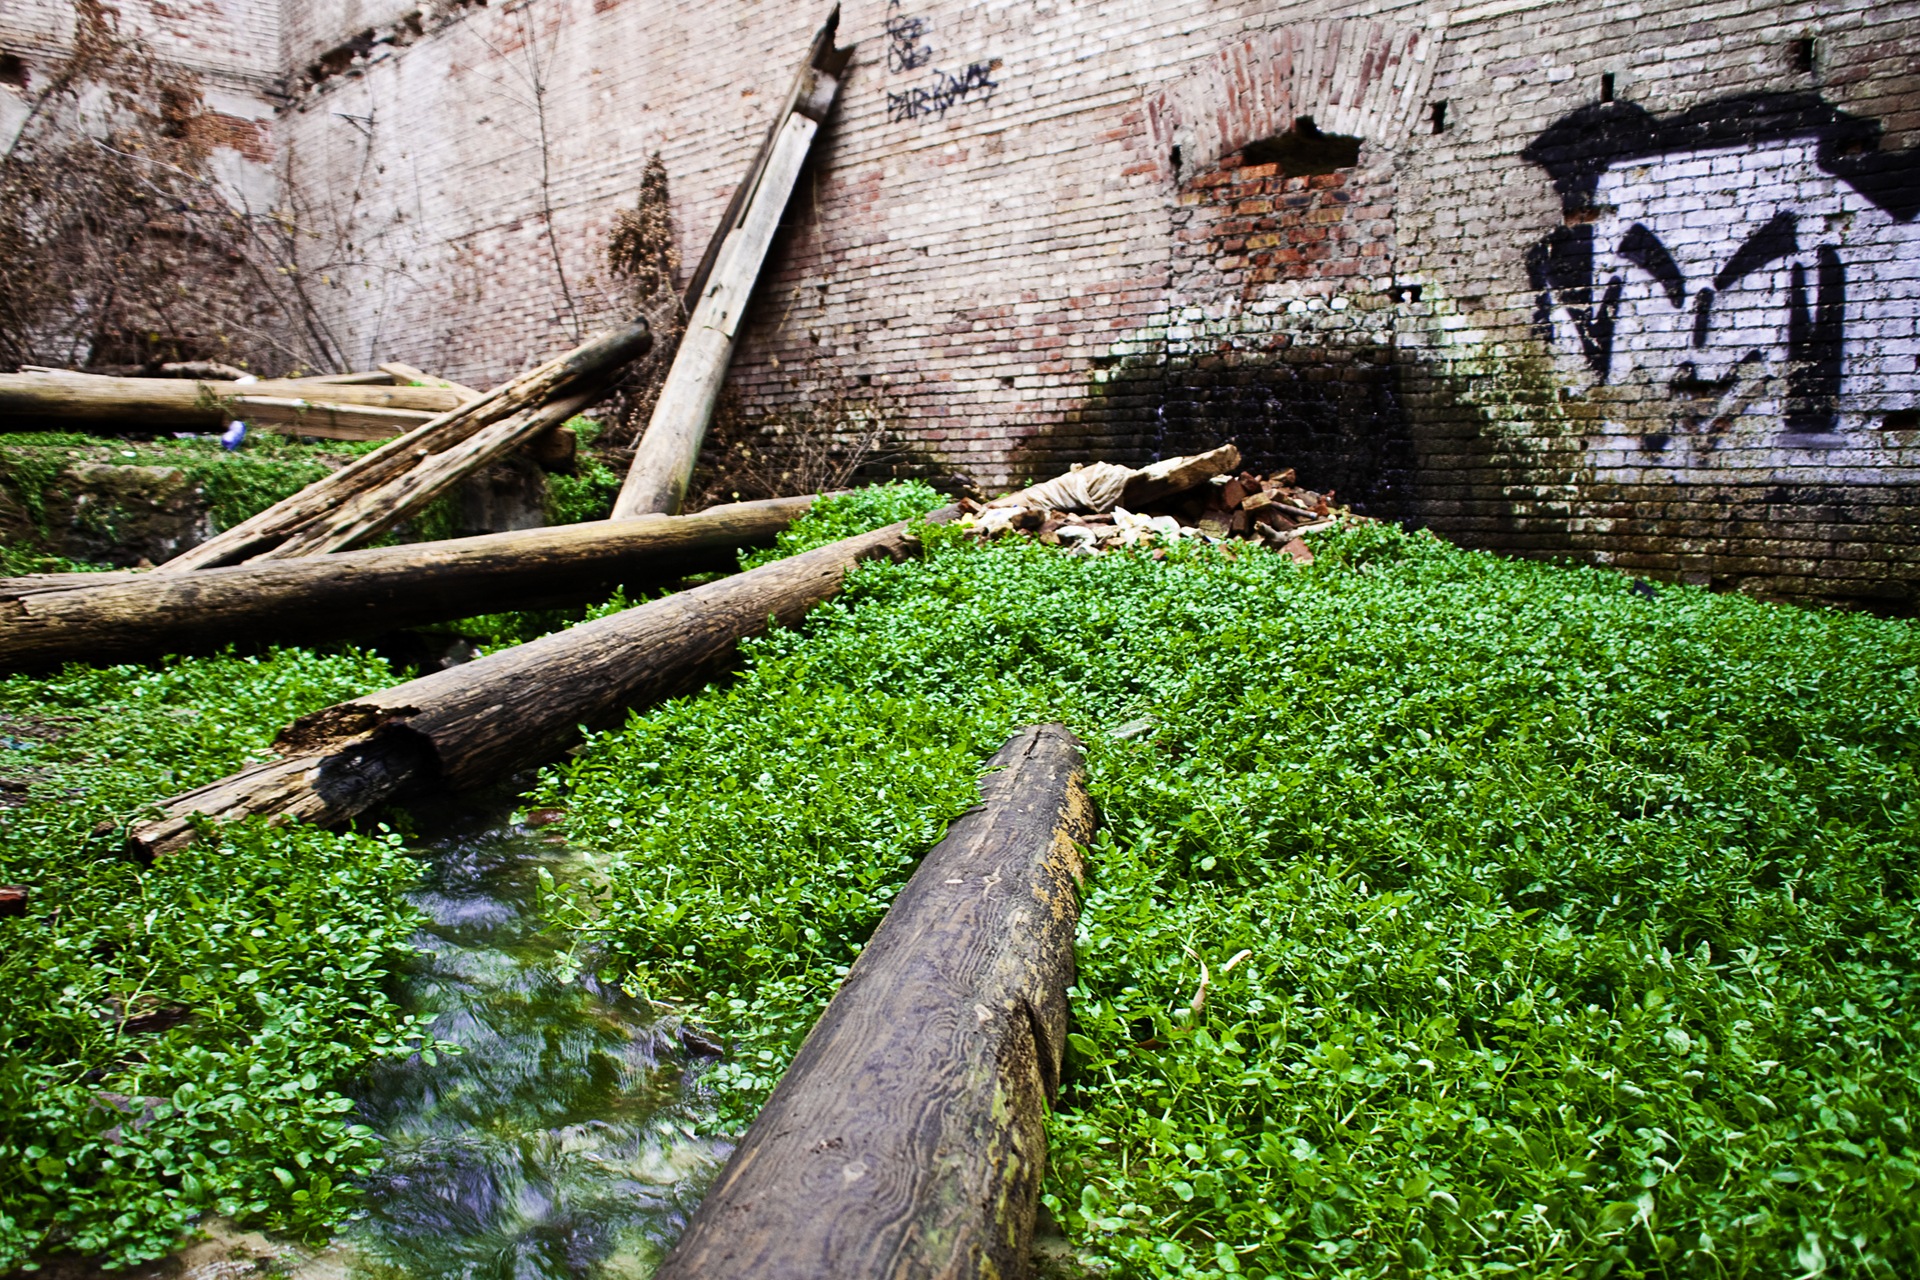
(1210,502)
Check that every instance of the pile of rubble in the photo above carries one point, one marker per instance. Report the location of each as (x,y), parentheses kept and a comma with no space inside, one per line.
(1100,506)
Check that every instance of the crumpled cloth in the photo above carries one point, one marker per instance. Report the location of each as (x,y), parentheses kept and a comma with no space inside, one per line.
(1093,488)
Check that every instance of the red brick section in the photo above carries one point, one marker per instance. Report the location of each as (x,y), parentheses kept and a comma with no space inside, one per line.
(1258,226)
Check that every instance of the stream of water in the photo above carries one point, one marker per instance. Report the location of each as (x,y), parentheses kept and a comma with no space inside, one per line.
(562,1140)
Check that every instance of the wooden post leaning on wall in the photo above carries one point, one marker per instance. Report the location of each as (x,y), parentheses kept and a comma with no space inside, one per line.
(717,296)
(907,1138)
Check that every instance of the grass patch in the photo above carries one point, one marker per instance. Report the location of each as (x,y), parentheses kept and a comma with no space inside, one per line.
(171,1036)
(1581,925)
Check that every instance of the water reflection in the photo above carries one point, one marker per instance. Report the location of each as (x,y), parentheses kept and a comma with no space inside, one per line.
(560,1142)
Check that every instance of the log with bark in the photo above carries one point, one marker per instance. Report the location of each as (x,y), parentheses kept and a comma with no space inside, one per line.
(717,296)
(325,419)
(177,404)
(908,1136)
(477,722)
(79,617)
(355,501)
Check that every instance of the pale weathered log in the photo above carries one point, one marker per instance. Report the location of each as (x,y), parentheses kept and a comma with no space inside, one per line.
(406,373)
(908,1136)
(377,510)
(325,420)
(80,618)
(175,404)
(591,363)
(478,722)
(364,377)
(1177,475)
(663,461)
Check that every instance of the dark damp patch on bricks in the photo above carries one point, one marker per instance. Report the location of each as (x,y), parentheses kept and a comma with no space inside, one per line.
(1333,414)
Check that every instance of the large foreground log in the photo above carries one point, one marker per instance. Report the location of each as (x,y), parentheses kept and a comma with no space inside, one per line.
(478,722)
(177,404)
(584,373)
(907,1138)
(78,617)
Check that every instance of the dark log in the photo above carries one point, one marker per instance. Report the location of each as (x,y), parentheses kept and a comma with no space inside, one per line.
(478,722)
(907,1138)
(592,364)
(13,899)
(144,615)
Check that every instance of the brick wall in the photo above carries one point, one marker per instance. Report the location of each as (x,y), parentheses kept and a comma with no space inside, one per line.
(1634,283)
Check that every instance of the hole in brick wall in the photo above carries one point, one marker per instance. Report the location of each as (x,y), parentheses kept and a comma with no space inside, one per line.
(1606,87)
(1902,420)
(1404,293)
(1174,156)
(1801,54)
(1437,112)
(13,71)
(1303,151)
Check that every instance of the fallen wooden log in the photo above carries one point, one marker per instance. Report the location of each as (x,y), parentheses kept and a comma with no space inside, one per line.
(664,459)
(907,1138)
(325,420)
(406,373)
(373,511)
(590,365)
(13,899)
(146,615)
(177,404)
(474,723)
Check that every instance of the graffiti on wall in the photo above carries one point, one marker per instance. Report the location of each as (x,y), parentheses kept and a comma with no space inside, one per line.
(907,50)
(1753,260)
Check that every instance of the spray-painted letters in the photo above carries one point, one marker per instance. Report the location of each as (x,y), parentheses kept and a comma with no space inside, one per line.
(975,84)
(907,50)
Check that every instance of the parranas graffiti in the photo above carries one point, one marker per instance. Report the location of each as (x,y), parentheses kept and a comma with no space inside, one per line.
(1752,260)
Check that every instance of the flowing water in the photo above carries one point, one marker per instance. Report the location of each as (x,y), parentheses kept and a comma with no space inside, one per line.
(561,1141)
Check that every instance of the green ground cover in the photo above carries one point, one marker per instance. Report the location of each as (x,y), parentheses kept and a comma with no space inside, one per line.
(118,1124)
(1581,925)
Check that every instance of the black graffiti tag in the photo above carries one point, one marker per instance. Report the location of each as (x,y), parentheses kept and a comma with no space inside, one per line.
(975,84)
(1581,148)
(906,48)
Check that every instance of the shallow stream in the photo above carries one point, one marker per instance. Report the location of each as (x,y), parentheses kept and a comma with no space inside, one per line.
(562,1140)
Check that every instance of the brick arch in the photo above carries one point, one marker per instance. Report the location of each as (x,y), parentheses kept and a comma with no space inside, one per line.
(1356,76)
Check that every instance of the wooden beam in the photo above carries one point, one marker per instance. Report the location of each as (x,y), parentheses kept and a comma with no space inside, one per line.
(908,1136)
(176,404)
(292,416)
(405,373)
(664,460)
(364,378)
(134,616)
(481,721)
(590,366)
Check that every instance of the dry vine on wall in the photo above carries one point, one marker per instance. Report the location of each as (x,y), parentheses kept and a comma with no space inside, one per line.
(119,248)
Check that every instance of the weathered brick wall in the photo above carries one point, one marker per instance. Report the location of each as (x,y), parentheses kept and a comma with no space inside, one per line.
(229,49)
(1001,245)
